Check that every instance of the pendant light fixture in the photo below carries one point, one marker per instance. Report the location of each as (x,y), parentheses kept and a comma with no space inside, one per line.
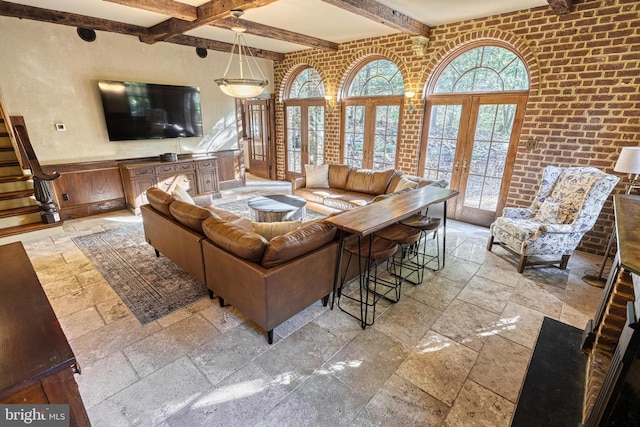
(241,87)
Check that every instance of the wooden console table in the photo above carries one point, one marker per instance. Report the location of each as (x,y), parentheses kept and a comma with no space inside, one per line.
(197,175)
(368,219)
(36,361)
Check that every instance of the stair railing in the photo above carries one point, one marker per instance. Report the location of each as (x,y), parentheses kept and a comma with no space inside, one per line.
(41,180)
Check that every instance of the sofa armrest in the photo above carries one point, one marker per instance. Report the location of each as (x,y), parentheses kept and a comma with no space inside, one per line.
(299,182)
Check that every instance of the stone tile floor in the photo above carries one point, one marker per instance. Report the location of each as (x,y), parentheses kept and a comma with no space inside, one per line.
(452,352)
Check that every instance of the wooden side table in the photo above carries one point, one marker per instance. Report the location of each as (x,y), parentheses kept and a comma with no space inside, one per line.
(36,361)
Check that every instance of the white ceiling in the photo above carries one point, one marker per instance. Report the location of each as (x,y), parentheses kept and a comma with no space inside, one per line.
(310,17)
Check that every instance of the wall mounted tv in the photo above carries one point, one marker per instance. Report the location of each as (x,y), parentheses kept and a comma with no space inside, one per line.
(135,110)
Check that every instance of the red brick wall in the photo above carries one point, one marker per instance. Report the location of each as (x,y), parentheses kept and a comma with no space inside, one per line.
(584,103)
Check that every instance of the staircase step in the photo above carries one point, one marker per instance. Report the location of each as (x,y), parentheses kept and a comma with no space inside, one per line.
(29,231)
(7,163)
(13,178)
(9,195)
(6,148)
(10,171)
(22,210)
(23,219)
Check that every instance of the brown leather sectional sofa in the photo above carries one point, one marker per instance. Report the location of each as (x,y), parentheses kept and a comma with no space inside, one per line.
(269,281)
(350,187)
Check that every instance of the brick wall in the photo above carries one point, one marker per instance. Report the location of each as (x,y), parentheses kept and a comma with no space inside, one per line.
(584,102)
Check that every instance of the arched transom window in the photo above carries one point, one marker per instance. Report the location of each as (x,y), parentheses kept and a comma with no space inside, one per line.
(372,115)
(484,69)
(304,121)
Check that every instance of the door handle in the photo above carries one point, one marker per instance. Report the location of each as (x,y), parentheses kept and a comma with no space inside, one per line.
(457,166)
(464,166)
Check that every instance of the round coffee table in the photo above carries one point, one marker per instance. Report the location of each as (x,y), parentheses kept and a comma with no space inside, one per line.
(276,208)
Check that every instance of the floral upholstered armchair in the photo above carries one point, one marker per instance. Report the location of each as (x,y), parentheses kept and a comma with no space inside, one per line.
(566,207)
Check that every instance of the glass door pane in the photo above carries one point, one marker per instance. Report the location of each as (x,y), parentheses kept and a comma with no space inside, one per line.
(315,149)
(256,130)
(488,156)
(386,136)
(442,140)
(294,143)
(354,135)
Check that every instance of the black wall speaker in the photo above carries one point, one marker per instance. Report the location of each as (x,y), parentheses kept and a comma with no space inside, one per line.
(202,52)
(86,34)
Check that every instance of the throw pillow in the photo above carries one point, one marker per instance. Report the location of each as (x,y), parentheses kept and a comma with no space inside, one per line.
(405,183)
(551,212)
(181,194)
(317,176)
(269,230)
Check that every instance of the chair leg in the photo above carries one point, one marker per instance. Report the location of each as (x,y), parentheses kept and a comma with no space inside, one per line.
(523,262)
(270,336)
(221,301)
(564,262)
(490,243)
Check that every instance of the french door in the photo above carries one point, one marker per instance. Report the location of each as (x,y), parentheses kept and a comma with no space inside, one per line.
(305,136)
(370,133)
(257,136)
(471,141)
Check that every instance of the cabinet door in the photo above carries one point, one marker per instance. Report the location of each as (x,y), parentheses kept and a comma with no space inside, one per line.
(140,185)
(208,182)
(186,180)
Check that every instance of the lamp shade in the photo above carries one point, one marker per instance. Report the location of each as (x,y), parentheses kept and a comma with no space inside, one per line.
(241,88)
(629,161)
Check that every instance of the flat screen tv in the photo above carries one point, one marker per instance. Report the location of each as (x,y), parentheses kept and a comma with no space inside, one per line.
(135,110)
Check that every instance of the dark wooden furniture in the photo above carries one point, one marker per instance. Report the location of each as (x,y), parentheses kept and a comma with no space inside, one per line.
(276,208)
(36,361)
(90,188)
(197,175)
(373,217)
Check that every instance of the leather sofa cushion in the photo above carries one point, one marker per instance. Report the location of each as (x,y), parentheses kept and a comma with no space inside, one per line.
(189,215)
(235,239)
(160,200)
(338,175)
(369,181)
(296,243)
(226,215)
(315,194)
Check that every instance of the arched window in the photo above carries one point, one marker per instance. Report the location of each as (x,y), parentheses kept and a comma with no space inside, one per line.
(472,128)
(304,121)
(372,115)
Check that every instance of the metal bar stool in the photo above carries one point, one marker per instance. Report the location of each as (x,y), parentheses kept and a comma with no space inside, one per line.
(401,264)
(372,251)
(427,226)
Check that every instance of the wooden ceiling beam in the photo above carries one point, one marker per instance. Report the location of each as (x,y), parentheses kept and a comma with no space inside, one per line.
(383,14)
(171,8)
(74,20)
(277,34)
(224,47)
(209,12)
(560,7)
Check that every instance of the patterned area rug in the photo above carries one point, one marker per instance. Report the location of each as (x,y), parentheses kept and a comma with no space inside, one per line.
(149,286)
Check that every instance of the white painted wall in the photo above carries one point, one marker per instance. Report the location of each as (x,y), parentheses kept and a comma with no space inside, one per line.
(49,75)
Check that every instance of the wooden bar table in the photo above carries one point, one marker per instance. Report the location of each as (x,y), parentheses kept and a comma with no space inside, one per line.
(36,361)
(368,219)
